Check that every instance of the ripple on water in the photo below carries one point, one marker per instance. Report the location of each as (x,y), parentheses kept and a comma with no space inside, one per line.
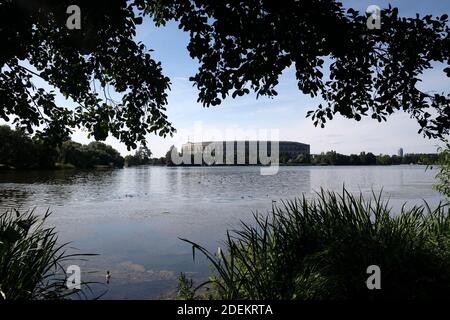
(133,217)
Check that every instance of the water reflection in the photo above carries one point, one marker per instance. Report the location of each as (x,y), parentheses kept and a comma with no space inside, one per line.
(134,216)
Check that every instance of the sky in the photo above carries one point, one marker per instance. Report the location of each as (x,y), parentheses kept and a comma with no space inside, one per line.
(283,117)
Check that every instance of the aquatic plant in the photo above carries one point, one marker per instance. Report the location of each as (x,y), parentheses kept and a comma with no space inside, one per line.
(321,249)
(31,259)
(185,288)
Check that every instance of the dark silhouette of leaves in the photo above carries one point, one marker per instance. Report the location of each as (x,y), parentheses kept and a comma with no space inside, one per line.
(242,47)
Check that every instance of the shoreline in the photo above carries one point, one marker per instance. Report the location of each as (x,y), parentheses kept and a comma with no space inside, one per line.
(63,167)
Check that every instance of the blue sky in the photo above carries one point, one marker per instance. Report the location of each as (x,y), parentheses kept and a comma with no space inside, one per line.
(286,113)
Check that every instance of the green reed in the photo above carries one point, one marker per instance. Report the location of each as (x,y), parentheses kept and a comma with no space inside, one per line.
(32,260)
(321,248)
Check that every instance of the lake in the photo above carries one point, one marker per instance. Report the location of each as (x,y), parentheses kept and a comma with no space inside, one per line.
(133,217)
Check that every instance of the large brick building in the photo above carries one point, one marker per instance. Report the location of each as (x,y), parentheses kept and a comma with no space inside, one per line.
(244,152)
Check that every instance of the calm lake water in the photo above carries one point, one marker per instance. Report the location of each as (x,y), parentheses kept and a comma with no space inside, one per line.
(133,217)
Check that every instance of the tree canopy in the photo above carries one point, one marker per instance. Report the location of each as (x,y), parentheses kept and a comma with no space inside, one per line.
(101,53)
(242,47)
(142,156)
(20,151)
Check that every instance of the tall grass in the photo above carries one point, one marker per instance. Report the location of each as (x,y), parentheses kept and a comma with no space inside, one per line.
(321,248)
(442,184)
(31,260)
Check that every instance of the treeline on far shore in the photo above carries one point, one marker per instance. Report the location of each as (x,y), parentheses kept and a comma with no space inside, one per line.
(334,158)
(20,151)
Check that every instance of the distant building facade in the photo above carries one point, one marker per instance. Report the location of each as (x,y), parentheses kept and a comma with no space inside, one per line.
(242,152)
(400,152)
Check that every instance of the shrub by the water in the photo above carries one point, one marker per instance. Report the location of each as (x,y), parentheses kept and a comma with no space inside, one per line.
(321,248)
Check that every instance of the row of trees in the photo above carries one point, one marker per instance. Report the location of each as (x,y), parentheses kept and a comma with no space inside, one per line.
(90,155)
(143,156)
(19,150)
(334,158)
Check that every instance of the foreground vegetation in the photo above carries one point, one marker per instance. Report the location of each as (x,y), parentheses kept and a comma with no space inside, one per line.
(31,260)
(321,248)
